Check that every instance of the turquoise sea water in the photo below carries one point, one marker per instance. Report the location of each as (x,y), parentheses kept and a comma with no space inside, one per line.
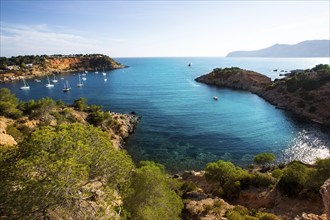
(182,126)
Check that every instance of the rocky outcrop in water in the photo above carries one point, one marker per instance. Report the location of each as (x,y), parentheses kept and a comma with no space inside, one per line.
(306,94)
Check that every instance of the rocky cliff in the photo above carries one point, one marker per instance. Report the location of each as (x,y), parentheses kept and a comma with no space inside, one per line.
(305,94)
(57,64)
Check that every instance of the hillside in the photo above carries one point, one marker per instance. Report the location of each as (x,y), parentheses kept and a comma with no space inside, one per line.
(306,94)
(31,66)
(311,48)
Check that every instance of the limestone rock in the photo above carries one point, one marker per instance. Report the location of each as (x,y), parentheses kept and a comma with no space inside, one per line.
(206,209)
(325,192)
(311,216)
(5,139)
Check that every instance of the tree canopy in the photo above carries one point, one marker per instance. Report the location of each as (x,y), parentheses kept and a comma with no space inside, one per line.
(55,162)
(264,158)
(152,196)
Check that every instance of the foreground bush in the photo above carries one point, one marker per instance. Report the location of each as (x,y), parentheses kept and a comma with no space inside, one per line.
(53,164)
(152,195)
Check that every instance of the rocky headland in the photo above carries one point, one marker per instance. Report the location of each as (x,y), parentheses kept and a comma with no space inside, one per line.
(15,68)
(306,94)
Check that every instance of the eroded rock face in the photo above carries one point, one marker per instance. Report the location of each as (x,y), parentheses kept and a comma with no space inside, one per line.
(311,216)
(325,192)
(5,139)
(206,209)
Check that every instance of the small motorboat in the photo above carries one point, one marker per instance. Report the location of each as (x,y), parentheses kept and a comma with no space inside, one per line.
(215,98)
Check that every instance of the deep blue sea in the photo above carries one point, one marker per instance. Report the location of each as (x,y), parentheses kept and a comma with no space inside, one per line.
(182,126)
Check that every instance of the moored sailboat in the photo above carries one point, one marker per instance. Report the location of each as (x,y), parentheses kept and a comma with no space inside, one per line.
(67,86)
(55,80)
(80,84)
(49,85)
(26,85)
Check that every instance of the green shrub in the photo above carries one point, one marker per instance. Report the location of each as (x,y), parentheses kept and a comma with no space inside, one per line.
(234,215)
(80,104)
(151,196)
(55,163)
(7,96)
(264,158)
(188,187)
(267,216)
(277,173)
(8,109)
(13,131)
(294,179)
(227,175)
(242,210)
(319,175)
(260,180)
(9,104)
(99,117)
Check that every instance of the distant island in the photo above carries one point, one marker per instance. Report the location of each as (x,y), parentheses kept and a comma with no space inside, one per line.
(304,93)
(31,66)
(310,48)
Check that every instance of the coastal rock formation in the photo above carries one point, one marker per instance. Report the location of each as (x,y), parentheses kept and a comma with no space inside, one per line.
(125,125)
(5,139)
(311,216)
(235,78)
(206,209)
(305,94)
(325,192)
(45,65)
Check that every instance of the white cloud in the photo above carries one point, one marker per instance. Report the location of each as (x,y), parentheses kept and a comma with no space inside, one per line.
(41,39)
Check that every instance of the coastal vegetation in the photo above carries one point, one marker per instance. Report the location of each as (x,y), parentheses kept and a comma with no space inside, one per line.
(67,167)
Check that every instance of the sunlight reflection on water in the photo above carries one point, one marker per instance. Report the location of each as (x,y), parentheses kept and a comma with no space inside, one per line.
(307,146)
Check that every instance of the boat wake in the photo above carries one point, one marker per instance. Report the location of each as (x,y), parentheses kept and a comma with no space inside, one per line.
(192,83)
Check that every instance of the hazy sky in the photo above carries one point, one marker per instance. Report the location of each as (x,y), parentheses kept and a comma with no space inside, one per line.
(157,28)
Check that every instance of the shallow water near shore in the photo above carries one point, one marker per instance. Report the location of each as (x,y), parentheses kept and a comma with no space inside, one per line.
(182,126)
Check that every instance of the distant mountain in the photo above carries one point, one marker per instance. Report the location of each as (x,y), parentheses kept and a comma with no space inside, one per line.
(310,48)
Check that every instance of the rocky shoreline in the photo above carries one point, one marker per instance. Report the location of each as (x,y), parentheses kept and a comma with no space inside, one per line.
(202,204)
(125,125)
(48,65)
(305,94)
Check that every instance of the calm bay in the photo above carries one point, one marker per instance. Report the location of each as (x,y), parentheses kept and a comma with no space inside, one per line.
(182,126)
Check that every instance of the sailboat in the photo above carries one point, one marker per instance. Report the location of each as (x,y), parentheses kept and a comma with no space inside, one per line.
(26,85)
(80,84)
(55,80)
(97,72)
(105,79)
(67,86)
(104,74)
(49,85)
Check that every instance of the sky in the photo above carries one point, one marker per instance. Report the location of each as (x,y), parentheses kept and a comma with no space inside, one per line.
(157,28)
